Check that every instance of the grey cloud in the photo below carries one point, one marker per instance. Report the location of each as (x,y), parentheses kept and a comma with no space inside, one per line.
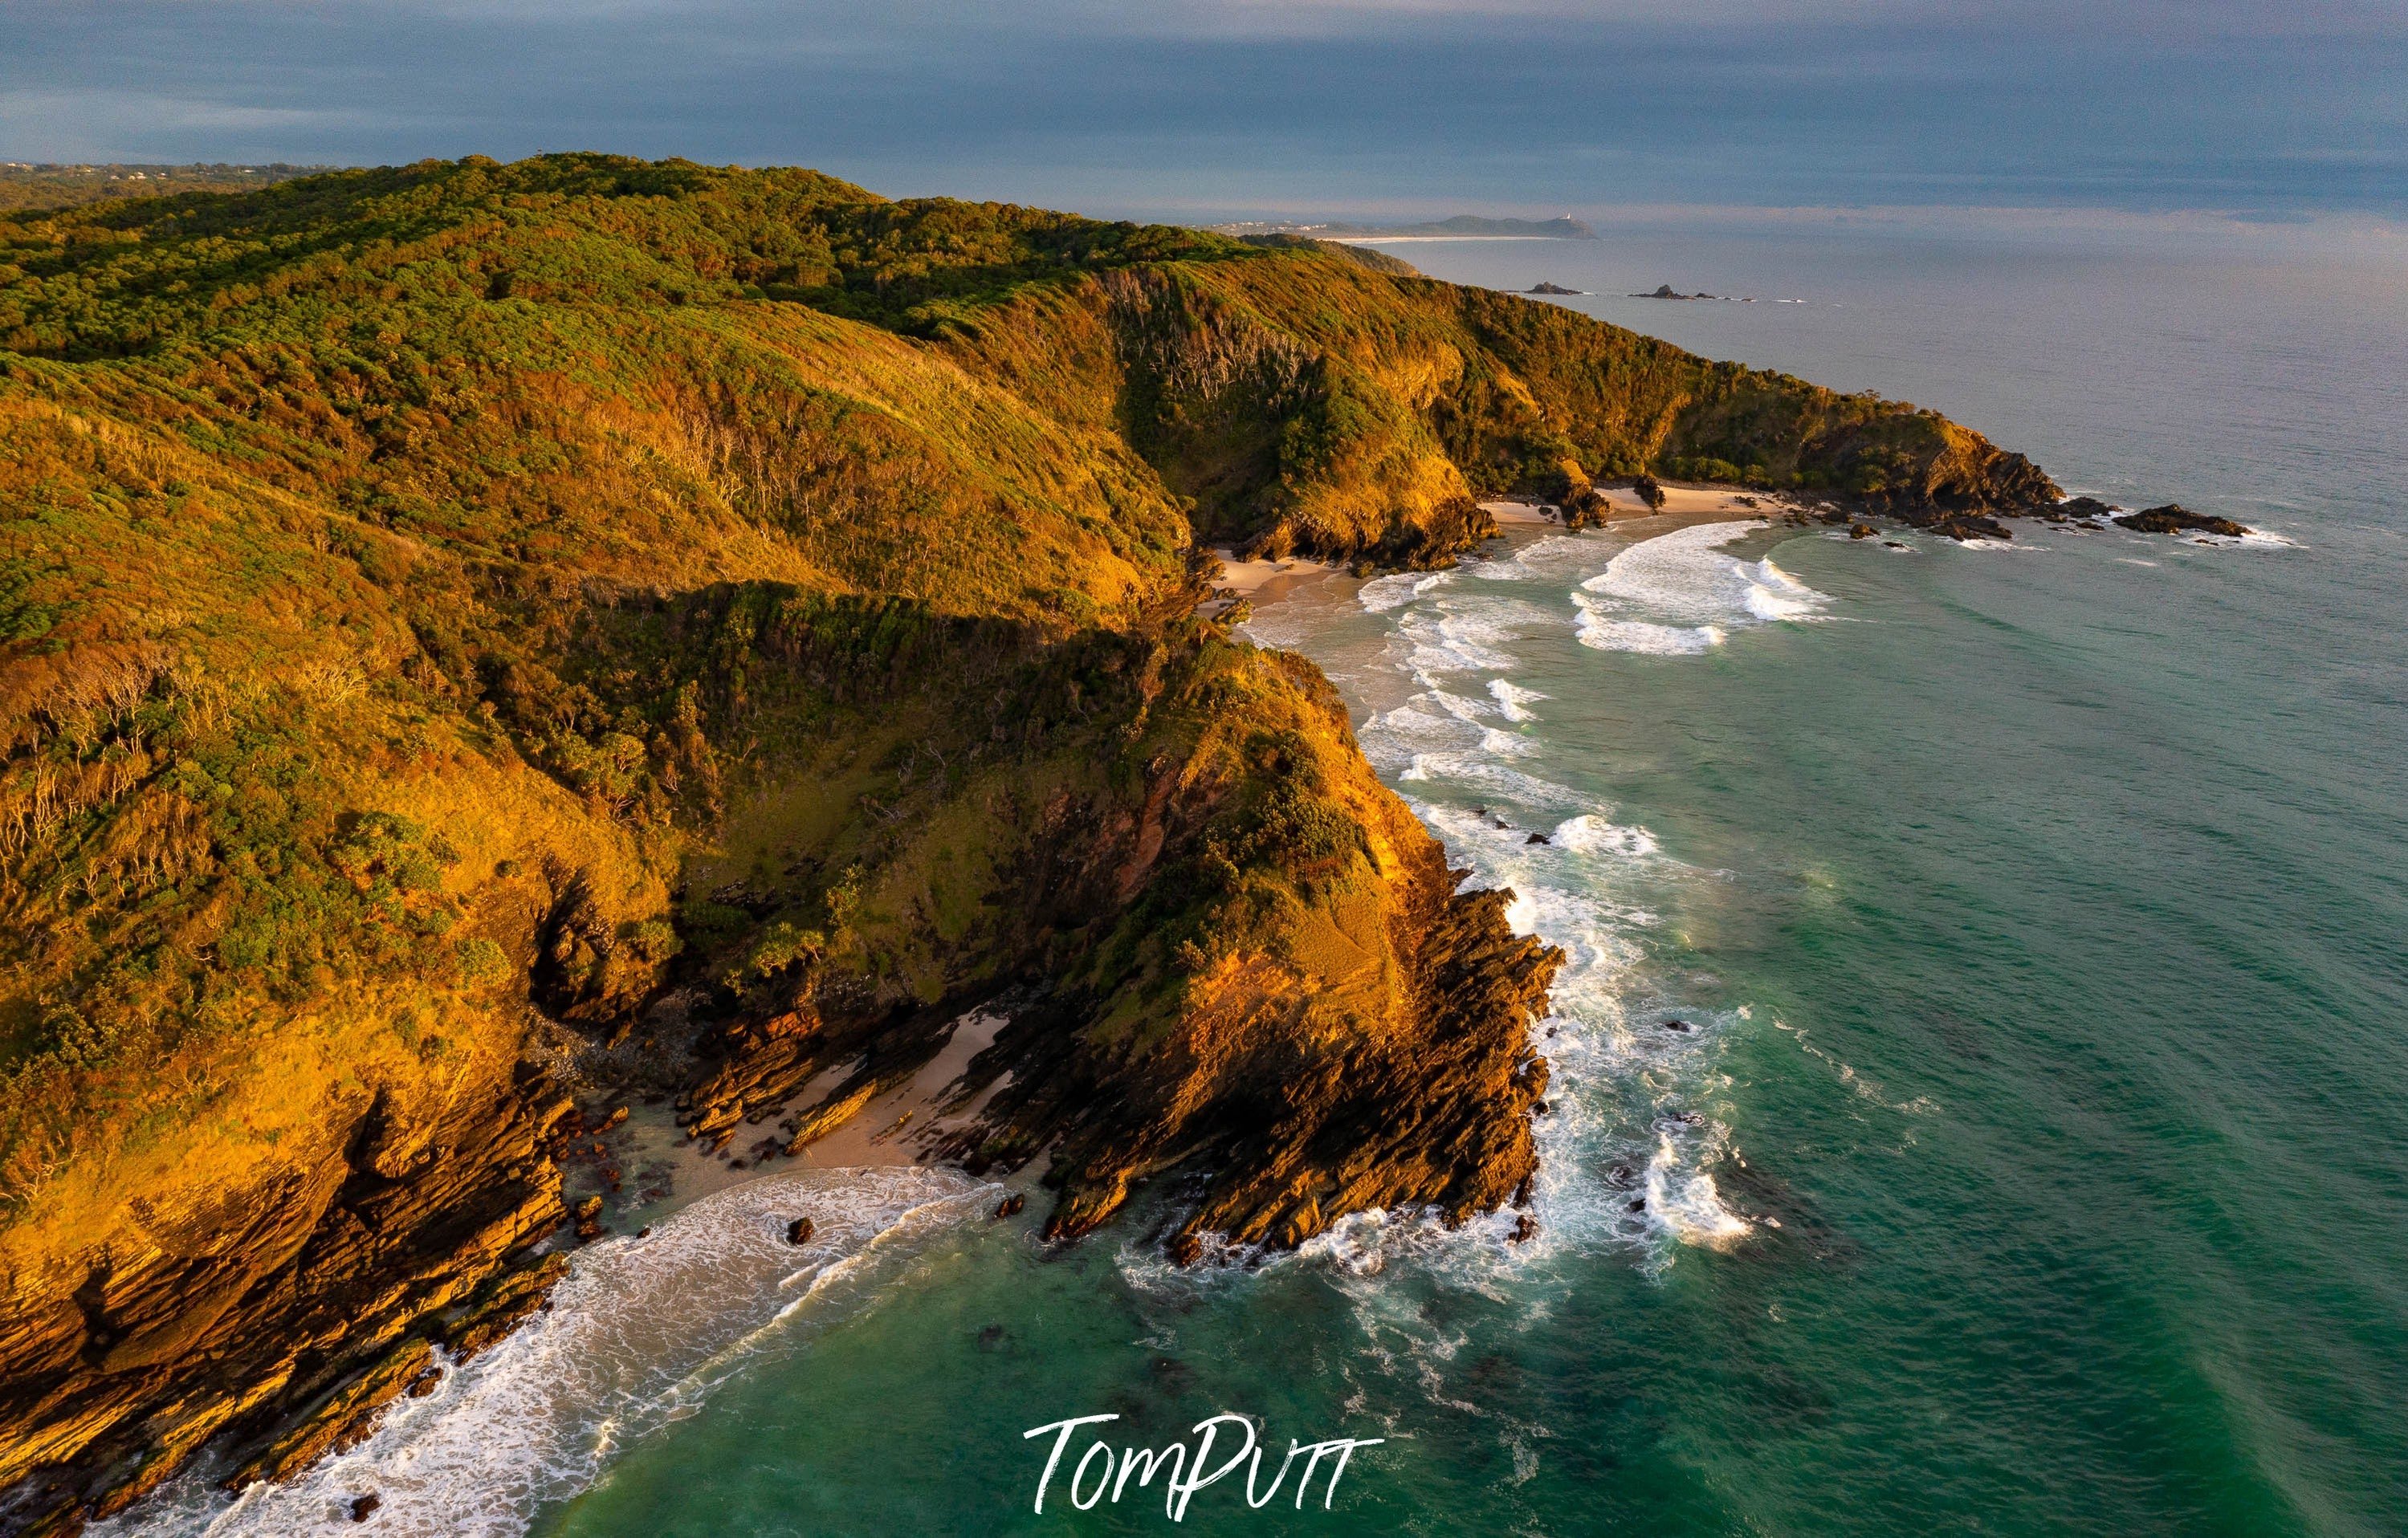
(1156,107)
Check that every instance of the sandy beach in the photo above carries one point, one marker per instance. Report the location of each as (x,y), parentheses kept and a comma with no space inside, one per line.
(1678,500)
(1264,580)
(1242,580)
(1521,512)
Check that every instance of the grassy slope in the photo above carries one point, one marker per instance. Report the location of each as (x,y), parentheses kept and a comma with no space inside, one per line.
(424,589)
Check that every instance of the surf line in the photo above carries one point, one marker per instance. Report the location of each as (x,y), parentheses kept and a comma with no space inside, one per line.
(1186,1475)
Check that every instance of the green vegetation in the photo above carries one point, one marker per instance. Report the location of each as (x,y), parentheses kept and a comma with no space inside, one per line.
(58,186)
(321,494)
(1362,256)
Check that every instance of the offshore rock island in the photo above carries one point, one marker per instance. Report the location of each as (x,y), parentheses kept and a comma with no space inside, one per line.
(462,615)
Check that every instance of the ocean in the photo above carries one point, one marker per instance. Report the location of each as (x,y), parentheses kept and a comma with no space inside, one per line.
(1980,1096)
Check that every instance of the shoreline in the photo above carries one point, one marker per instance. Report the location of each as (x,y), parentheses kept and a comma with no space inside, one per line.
(662,1171)
(1266,581)
(1680,497)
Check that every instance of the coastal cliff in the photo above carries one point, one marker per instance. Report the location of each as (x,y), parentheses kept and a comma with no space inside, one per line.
(459,611)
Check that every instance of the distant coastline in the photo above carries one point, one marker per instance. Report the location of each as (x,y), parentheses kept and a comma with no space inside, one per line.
(1458,227)
(25,184)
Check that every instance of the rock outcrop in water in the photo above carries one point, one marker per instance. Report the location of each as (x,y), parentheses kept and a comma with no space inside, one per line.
(2174,518)
(1964,526)
(476,610)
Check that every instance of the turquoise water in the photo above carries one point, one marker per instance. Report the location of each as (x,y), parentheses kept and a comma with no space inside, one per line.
(2035,1157)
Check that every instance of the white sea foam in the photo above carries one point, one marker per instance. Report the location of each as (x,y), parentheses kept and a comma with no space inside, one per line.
(1682,575)
(1458,635)
(1591,835)
(1460,708)
(1481,774)
(1493,618)
(1419,724)
(1558,547)
(1509,569)
(639,1334)
(1679,594)
(1382,593)
(1632,1139)
(1514,700)
(1645,636)
(1398,741)
(1682,1196)
(1281,629)
(1522,914)
(1774,594)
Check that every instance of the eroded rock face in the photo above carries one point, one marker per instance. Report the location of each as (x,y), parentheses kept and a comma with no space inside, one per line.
(1973,476)
(1583,505)
(1329,1030)
(181,1324)
(1435,1112)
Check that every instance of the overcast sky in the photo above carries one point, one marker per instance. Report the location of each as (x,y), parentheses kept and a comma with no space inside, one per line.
(2267,108)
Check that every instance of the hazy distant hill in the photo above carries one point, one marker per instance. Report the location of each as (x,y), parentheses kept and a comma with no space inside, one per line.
(41,186)
(1564,228)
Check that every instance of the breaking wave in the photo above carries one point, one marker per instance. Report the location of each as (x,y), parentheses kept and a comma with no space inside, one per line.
(1512,701)
(1679,594)
(1595,835)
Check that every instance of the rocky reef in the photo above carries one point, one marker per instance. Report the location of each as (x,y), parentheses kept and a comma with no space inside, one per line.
(2175,518)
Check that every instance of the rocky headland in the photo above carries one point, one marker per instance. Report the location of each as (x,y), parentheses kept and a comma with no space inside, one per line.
(486,635)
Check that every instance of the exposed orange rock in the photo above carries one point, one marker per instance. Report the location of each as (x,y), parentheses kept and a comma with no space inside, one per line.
(194,1319)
